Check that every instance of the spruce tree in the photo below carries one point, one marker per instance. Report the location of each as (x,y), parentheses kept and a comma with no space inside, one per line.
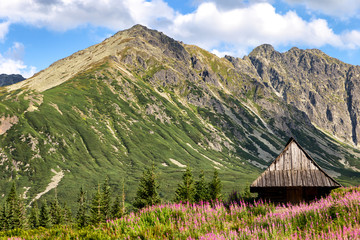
(34,216)
(147,193)
(215,187)
(22,213)
(2,218)
(10,204)
(201,189)
(123,209)
(67,214)
(56,213)
(15,213)
(44,219)
(81,216)
(186,190)
(116,210)
(95,208)
(106,201)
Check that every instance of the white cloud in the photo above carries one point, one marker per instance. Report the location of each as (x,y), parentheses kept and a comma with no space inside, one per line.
(352,39)
(16,52)
(230,4)
(250,26)
(339,8)
(4,28)
(242,24)
(68,14)
(222,53)
(11,62)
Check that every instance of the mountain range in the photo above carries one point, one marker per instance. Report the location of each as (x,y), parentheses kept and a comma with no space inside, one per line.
(141,97)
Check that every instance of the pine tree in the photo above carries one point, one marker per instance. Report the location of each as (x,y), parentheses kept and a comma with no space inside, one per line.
(67,214)
(186,190)
(2,218)
(44,219)
(15,210)
(95,208)
(147,193)
(201,189)
(11,204)
(22,213)
(106,201)
(81,216)
(116,210)
(215,187)
(56,213)
(123,209)
(5,220)
(34,216)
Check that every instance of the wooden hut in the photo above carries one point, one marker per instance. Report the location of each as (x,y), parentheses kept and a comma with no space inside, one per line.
(293,177)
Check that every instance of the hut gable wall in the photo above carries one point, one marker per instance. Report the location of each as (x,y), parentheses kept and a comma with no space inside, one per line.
(294,168)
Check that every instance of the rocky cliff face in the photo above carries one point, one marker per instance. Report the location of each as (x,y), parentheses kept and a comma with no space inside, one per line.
(324,88)
(6,79)
(141,97)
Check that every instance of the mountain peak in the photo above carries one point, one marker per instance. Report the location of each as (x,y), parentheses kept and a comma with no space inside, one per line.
(124,43)
(263,50)
(138,26)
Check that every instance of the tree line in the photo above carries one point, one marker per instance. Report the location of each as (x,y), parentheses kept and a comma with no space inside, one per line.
(188,190)
(101,207)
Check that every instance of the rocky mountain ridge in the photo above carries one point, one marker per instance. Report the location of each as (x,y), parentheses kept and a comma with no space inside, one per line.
(141,97)
(322,87)
(6,79)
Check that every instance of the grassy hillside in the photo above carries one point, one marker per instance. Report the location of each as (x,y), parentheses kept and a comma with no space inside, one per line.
(88,129)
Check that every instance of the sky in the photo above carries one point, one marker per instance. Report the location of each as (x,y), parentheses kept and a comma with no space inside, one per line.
(36,33)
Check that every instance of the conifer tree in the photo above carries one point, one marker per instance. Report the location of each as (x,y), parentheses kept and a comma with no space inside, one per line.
(201,189)
(123,209)
(10,204)
(56,213)
(15,213)
(2,218)
(215,187)
(44,218)
(5,214)
(95,208)
(67,214)
(147,193)
(186,190)
(22,212)
(116,210)
(106,201)
(81,216)
(34,216)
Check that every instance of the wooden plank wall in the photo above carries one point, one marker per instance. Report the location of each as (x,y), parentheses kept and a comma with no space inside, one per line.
(293,168)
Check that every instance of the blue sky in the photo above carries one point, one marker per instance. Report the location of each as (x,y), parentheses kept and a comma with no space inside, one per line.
(36,33)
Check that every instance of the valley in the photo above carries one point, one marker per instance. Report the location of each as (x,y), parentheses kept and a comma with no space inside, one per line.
(140,97)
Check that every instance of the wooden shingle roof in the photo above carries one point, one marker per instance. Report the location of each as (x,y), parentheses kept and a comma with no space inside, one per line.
(294,168)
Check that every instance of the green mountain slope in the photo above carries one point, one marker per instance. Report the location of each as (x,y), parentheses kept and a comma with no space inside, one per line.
(139,98)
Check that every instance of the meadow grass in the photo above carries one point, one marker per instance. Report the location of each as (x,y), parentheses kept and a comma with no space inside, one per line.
(334,217)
